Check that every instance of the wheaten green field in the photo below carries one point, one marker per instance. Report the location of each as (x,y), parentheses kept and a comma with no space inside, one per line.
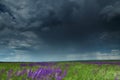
(95,70)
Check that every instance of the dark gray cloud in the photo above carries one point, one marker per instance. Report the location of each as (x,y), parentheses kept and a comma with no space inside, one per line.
(111,16)
(86,25)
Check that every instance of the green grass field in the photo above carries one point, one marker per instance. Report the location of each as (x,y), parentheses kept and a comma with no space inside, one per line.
(74,70)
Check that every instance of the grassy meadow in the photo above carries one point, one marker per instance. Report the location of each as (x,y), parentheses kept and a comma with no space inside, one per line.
(72,70)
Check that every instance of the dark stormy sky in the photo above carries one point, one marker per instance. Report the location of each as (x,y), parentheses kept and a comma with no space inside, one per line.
(59,30)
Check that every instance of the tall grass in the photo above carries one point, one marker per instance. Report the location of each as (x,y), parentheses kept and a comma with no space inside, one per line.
(60,71)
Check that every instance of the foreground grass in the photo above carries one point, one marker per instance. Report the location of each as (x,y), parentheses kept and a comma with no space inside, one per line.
(75,71)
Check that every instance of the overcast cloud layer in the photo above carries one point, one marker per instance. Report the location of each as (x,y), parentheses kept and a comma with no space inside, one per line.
(61,28)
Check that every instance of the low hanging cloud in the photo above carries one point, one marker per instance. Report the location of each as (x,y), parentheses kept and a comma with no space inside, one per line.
(17,56)
(16,40)
(95,56)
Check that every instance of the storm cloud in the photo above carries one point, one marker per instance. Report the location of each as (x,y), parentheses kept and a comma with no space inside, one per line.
(66,26)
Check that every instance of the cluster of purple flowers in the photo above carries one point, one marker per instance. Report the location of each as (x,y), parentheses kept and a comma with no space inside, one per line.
(34,71)
(46,74)
(43,73)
